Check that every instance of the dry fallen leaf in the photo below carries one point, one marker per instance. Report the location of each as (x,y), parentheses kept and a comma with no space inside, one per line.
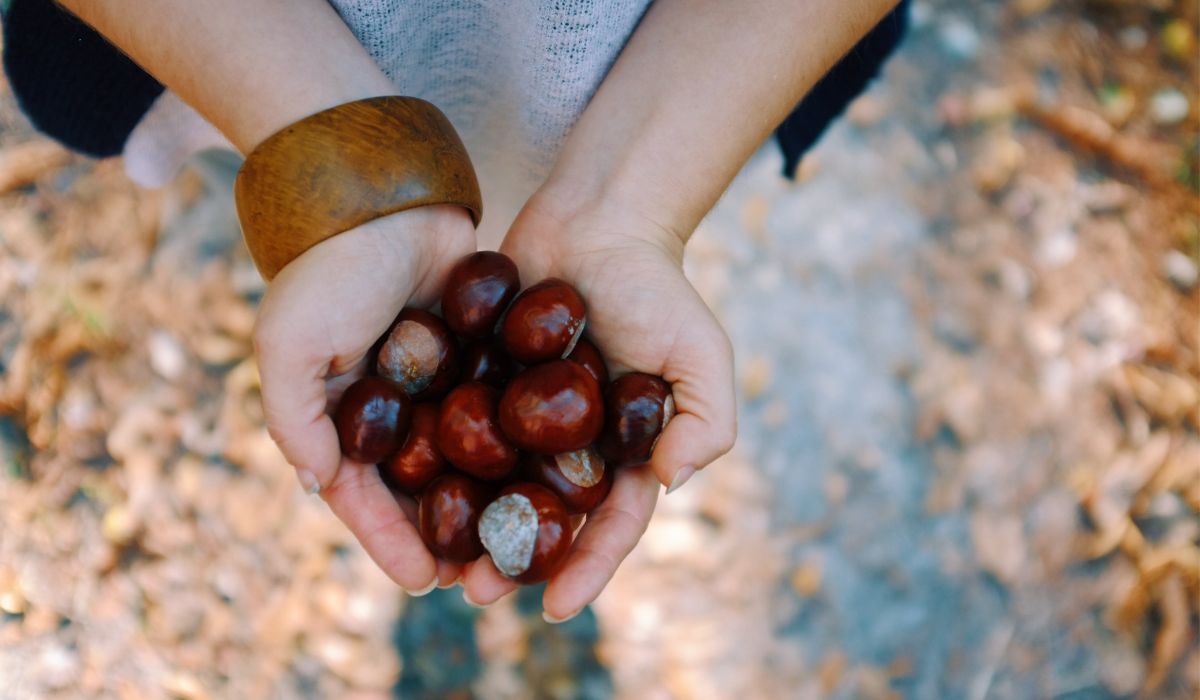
(999,542)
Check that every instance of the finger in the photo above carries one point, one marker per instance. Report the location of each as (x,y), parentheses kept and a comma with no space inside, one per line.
(482,583)
(608,536)
(448,573)
(700,371)
(363,502)
(294,402)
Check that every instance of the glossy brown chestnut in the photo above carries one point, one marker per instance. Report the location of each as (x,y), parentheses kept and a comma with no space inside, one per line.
(587,355)
(578,477)
(544,322)
(372,419)
(527,532)
(419,460)
(448,517)
(486,361)
(419,354)
(637,409)
(469,436)
(478,290)
(551,408)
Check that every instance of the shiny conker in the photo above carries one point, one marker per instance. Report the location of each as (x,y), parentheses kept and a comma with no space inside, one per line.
(448,517)
(587,355)
(468,433)
(578,478)
(419,354)
(478,290)
(544,322)
(551,408)
(487,361)
(372,419)
(419,460)
(527,532)
(637,407)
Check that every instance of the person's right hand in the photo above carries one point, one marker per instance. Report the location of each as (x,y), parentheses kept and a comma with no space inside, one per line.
(317,322)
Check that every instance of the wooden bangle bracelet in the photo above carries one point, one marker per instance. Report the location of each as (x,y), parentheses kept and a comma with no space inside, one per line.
(345,166)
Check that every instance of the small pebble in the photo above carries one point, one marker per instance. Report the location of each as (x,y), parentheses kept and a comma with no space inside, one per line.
(921,14)
(1133,38)
(1016,281)
(1110,316)
(959,38)
(166,355)
(1179,40)
(756,377)
(59,666)
(1181,270)
(119,525)
(1057,249)
(1169,106)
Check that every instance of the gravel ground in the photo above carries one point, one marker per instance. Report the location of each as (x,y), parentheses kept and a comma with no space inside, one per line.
(969,392)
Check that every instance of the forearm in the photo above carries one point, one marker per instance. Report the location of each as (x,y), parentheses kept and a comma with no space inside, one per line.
(701,84)
(250,67)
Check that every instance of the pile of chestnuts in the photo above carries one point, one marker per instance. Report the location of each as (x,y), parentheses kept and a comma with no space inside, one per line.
(499,418)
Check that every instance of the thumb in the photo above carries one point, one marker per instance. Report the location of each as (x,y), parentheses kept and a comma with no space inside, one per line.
(316,323)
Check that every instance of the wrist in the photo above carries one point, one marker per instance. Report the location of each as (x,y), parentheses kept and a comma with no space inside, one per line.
(252,122)
(420,244)
(405,255)
(591,205)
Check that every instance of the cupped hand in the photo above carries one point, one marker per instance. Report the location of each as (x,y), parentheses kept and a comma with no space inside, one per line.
(644,316)
(317,322)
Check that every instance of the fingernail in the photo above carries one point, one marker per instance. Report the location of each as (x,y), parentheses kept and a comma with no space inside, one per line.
(473,604)
(451,584)
(559,620)
(424,591)
(309,482)
(681,478)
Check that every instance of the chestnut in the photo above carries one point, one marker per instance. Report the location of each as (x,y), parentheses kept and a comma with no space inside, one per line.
(448,517)
(551,408)
(544,322)
(587,355)
(478,290)
(637,409)
(469,436)
(527,532)
(486,361)
(372,419)
(419,460)
(419,354)
(578,477)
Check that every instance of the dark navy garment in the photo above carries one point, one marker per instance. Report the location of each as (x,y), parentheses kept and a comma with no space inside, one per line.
(80,90)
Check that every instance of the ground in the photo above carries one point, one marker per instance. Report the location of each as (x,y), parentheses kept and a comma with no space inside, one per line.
(969,393)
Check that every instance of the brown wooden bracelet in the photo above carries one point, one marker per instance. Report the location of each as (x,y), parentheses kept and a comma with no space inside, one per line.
(345,166)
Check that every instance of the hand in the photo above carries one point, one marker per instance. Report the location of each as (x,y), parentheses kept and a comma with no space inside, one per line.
(643,315)
(317,322)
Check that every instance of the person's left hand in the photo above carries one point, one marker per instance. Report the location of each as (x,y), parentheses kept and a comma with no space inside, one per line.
(643,315)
